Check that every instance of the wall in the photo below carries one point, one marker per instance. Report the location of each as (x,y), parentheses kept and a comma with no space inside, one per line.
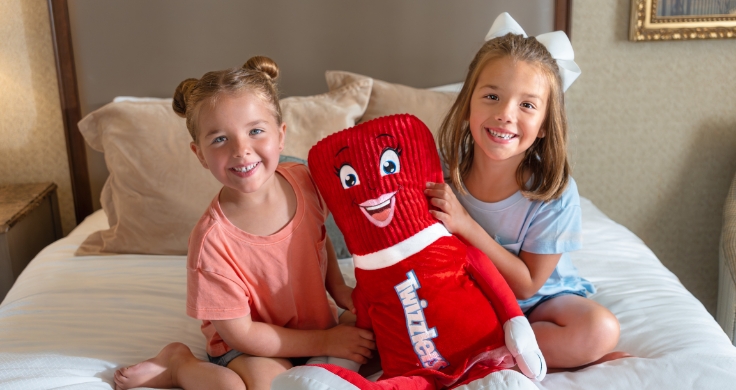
(654,137)
(144,48)
(33,148)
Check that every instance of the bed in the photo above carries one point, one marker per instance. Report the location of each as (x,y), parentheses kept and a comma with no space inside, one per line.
(112,292)
(70,321)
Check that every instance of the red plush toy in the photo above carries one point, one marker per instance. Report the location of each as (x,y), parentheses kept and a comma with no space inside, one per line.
(441,313)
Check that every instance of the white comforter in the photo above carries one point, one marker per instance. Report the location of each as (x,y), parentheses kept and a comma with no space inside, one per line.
(69,322)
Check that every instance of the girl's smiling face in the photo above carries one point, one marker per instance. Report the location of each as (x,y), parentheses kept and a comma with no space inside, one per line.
(507,109)
(239,141)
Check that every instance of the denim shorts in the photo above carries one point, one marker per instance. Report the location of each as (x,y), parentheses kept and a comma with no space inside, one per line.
(546,298)
(229,356)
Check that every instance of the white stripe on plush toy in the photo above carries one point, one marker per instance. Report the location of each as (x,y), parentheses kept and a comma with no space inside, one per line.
(392,255)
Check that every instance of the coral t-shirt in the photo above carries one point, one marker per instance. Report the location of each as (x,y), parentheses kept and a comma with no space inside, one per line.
(277,279)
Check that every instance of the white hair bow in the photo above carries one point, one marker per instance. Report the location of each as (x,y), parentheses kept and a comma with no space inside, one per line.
(556,43)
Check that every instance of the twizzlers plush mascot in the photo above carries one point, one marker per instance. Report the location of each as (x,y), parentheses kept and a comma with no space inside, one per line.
(441,313)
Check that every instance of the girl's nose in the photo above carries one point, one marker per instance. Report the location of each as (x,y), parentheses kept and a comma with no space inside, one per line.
(241,148)
(505,113)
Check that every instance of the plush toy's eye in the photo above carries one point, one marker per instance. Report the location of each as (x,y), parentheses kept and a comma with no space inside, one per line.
(389,162)
(348,177)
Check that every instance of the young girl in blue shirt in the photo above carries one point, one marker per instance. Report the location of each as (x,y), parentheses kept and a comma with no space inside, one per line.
(510,194)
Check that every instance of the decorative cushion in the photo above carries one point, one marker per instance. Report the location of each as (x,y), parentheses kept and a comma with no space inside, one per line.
(157,190)
(310,118)
(387,98)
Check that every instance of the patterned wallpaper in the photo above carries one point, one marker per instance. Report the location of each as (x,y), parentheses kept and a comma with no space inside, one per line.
(653,137)
(33,147)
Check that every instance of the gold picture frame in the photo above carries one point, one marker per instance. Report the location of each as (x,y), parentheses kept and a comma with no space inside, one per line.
(664,20)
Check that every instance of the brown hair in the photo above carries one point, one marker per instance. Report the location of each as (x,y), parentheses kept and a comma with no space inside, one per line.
(546,159)
(256,76)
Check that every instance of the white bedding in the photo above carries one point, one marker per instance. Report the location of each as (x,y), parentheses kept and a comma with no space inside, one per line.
(69,322)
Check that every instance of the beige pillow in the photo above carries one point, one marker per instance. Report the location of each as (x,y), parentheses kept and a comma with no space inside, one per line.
(310,118)
(388,98)
(157,190)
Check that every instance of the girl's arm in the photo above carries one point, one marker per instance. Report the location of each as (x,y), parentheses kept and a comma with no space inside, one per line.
(525,274)
(334,282)
(262,339)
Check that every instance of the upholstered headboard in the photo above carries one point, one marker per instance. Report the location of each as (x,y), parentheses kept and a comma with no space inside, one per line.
(144,48)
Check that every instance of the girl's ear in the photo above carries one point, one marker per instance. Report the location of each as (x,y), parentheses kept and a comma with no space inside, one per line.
(282,136)
(198,152)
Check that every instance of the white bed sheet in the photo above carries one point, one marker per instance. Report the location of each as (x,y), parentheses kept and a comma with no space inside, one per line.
(69,322)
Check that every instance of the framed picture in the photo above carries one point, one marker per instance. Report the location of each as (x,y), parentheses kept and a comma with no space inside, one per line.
(662,20)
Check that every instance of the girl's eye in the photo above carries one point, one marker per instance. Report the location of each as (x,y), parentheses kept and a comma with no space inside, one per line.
(492,97)
(219,139)
(348,177)
(527,105)
(256,131)
(389,163)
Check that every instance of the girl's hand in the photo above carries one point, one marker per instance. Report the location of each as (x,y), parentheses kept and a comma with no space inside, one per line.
(343,296)
(451,213)
(348,342)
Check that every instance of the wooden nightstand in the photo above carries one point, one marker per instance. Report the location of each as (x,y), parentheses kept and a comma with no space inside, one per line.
(29,220)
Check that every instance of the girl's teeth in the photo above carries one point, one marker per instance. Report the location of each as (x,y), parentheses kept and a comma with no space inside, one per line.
(505,136)
(246,168)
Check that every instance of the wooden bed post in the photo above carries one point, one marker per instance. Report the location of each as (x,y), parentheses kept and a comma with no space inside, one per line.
(563,16)
(70,108)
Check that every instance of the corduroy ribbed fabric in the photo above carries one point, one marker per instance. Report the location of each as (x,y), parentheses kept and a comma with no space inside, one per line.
(361,149)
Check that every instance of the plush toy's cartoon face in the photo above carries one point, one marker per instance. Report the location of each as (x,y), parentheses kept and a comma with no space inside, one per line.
(372,177)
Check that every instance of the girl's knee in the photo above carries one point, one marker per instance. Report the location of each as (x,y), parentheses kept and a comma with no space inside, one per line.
(256,373)
(603,329)
(234,382)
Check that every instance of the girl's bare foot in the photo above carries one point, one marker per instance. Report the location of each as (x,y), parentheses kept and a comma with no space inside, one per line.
(158,372)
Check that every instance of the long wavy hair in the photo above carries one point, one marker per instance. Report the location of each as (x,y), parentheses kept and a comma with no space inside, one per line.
(546,159)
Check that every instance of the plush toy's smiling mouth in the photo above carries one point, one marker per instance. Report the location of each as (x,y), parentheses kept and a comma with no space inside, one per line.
(380,211)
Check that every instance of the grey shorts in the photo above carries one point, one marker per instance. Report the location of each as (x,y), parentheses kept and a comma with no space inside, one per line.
(229,356)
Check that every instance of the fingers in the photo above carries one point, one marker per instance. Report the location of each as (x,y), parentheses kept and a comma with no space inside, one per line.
(438,190)
(443,217)
(366,334)
(367,353)
(441,196)
(363,354)
(433,185)
(368,344)
(358,358)
(441,203)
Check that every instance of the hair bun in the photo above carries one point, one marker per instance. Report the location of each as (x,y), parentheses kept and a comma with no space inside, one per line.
(263,64)
(181,95)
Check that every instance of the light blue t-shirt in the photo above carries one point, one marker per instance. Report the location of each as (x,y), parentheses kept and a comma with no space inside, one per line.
(518,223)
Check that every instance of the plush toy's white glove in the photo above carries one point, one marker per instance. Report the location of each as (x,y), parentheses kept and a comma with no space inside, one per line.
(523,346)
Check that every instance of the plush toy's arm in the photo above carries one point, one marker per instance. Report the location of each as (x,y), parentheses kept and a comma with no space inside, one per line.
(361,310)
(520,339)
(493,285)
